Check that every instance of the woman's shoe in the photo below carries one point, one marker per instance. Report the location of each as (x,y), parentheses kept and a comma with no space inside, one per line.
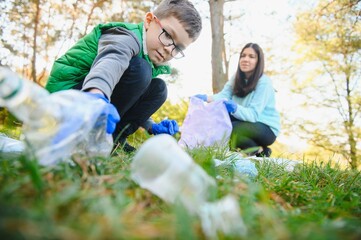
(266,152)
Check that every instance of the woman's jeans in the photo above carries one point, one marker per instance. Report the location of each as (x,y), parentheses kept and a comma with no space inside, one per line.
(248,134)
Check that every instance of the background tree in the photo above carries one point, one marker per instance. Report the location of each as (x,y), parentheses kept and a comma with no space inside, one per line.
(33,33)
(218,56)
(329,38)
(220,51)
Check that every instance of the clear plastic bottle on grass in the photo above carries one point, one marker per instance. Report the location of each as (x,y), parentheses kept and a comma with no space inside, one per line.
(242,165)
(165,169)
(57,125)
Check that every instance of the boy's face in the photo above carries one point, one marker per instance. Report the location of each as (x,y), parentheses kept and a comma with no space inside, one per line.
(168,30)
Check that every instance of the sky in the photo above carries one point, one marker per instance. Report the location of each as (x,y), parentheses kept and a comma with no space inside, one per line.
(266,22)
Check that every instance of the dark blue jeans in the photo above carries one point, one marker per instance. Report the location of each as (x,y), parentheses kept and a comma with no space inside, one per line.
(247,134)
(136,96)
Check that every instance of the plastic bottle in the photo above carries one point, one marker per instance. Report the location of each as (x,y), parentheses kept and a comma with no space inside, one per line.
(56,125)
(165,169)
(223,216)
(242,165)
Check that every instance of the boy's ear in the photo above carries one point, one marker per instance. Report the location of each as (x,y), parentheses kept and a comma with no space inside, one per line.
(148,19)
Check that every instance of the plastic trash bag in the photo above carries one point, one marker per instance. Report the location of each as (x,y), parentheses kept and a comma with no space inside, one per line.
(205,125)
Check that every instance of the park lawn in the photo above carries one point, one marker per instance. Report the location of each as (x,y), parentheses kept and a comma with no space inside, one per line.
(96,199)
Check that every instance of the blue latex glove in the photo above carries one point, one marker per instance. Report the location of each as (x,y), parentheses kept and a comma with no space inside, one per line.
(110,111)
(202,96)
(230,105)
(165,126)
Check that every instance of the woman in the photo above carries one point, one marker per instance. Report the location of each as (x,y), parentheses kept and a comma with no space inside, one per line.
(250,100)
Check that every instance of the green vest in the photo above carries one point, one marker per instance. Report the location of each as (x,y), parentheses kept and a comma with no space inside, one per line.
(75,64)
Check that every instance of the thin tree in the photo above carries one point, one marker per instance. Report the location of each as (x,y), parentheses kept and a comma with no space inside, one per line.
(219,60)
(328,36)
(35,36)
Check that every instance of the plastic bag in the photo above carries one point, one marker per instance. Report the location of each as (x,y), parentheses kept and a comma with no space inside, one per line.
(206,124)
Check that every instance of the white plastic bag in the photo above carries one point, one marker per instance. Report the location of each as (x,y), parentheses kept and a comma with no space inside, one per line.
(205,125)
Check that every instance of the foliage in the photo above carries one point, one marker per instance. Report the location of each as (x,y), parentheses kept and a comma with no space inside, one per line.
(96,199)
(328,38)
(9,125)
(34,33)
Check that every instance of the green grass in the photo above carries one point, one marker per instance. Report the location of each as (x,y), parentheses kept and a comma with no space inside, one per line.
(96,199)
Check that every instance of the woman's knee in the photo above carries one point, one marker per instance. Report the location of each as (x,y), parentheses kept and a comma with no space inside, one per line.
(242,142)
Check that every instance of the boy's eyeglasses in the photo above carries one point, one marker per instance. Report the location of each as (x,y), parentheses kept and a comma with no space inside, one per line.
(166,39)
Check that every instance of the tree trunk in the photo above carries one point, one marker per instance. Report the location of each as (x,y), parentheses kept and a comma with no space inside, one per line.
(90,15)
(35,35)
(219,60)
(350,126)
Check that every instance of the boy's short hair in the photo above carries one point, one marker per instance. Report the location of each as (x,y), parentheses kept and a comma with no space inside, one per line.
(184,12)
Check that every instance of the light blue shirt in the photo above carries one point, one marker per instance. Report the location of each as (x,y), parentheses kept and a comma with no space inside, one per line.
(258,106)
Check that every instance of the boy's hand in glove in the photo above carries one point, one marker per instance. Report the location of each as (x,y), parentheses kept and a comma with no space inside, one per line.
(165,126)
(110,111)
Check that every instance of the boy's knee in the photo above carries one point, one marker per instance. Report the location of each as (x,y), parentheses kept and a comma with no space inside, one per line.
(140,70)
(160,87)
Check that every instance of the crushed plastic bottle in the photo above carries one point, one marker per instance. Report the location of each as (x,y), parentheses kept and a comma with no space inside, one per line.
(165,169)
(242,165)
(222,216)
(55,125)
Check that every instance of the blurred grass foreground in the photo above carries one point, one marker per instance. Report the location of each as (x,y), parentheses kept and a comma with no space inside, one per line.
(96,199)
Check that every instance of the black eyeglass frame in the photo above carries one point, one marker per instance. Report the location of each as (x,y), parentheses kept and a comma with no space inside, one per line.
(176,52)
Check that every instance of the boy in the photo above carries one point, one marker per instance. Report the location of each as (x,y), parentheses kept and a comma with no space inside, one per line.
(119,62)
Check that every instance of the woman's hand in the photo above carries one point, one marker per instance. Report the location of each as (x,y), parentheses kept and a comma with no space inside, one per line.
(231,106)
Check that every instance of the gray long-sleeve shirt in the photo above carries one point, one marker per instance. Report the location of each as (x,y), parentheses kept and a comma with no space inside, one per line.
(117,46)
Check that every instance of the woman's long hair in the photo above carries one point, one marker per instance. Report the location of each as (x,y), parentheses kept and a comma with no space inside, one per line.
(241,87)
